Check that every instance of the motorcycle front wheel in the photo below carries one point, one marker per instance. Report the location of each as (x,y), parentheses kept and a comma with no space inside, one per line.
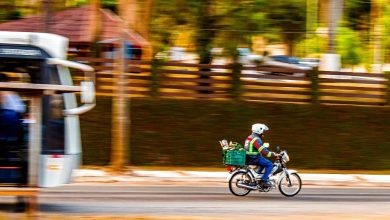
(290,185)
(239,177)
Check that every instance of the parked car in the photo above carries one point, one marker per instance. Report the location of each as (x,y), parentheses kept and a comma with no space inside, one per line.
(246,57)
(312,62)
(287,61)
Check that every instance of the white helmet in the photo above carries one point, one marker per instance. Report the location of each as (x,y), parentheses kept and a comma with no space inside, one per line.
(259,128)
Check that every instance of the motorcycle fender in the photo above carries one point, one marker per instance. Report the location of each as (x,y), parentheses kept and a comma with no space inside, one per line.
(284,174)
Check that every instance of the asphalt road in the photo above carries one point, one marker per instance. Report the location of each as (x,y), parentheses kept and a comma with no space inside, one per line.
(119,199)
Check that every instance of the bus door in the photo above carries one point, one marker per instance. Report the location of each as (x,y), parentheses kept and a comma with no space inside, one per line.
(61,147)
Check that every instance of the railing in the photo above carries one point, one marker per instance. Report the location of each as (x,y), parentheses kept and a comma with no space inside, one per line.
(187,80)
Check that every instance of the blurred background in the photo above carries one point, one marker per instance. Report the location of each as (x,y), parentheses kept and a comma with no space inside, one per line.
(175,77)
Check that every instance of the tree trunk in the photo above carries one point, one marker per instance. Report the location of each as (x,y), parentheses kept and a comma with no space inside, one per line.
(204,39)
(95,27)
(129,14)
(96,19)
(147,14)
(120,110)
(46,16)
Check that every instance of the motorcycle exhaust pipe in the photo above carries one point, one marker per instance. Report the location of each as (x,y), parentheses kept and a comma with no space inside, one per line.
(247,186)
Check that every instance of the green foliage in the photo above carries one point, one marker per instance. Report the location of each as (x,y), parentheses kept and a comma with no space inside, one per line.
(311,47)
(206,25)
(9,11)
(214,23)
(239,22)
(110,4)
(349,46)
(14,15)
(80,2)
(163,24)
(386,25)
(186,132)
(288,18)
(357,14)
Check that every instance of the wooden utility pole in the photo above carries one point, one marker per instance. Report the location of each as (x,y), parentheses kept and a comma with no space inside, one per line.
(120,109)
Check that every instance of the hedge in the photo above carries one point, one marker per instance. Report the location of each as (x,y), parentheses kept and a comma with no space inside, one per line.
(167,132)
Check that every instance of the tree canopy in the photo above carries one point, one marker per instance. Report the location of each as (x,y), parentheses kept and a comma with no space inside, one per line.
(205,24)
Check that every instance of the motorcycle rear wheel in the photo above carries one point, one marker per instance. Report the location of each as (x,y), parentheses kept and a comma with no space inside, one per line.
(239,177)
(290,186)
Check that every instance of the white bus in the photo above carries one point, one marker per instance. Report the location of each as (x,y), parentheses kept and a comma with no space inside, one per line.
(36,68)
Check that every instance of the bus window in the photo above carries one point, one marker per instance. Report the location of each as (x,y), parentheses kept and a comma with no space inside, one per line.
(20,70)
(37,71)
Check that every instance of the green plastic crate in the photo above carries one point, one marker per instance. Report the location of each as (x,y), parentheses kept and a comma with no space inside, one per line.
(234,157)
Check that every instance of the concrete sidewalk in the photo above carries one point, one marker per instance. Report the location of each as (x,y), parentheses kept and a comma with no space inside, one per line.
(220,178)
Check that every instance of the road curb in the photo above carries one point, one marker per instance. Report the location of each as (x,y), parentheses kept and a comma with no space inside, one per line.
(164,177)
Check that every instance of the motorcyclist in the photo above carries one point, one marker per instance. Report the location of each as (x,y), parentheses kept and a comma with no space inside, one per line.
(257,151)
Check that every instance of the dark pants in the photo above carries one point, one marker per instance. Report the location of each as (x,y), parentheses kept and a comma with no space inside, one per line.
(262,163)
(267,165)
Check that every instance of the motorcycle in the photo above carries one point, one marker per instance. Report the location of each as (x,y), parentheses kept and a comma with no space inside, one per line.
(243,178)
